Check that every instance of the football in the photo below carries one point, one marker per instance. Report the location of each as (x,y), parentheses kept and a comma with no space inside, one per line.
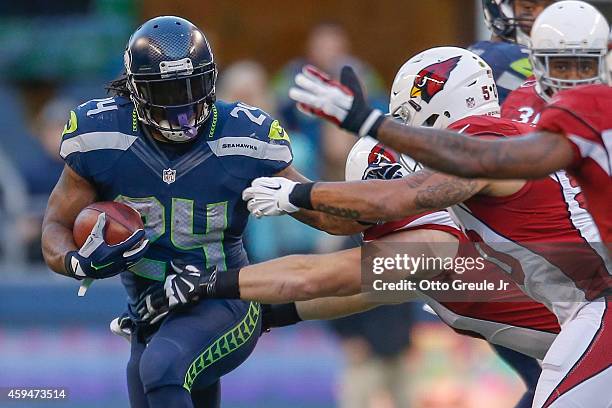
(121,222)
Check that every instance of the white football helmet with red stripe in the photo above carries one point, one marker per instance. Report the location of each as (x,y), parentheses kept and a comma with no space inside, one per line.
(441,85)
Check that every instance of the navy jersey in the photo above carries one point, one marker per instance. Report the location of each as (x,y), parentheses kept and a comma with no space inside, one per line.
(509,62)
(189,194)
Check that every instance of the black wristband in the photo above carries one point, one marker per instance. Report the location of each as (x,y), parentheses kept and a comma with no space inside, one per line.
(280,315)
(227,285)
(68,265)
(373,132)
(300,196)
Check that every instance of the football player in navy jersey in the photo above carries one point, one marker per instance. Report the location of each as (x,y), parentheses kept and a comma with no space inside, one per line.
(165,146)
(510,22)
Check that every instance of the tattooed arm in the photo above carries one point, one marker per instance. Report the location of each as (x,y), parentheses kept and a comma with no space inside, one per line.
(381,200)
(532,156)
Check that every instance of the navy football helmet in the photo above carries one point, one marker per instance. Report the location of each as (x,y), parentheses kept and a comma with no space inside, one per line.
(171,76)
(502,21)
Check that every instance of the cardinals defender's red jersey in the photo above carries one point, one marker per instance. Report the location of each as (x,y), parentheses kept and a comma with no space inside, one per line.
(510,318)
(537,233)
(524,105)
(584,116)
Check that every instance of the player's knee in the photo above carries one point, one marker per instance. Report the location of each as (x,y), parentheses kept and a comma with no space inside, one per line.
(161,364)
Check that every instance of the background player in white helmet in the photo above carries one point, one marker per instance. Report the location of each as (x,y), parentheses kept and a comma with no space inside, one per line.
(510,23)
(508,218)
(568,46)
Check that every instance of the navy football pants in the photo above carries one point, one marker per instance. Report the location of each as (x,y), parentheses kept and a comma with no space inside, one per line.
(189,353)
(526,367)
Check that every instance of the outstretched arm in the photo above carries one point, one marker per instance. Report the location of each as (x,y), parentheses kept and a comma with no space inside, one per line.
(336,307)
(382,200)
(302,277)
(289,279)
(531,156)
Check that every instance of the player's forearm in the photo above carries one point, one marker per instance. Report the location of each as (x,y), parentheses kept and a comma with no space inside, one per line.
(328,223)
(442,150)
(70,195)
(532,156)
(334,307)
(301,277)
(372,200)
(383,200)
(56,242)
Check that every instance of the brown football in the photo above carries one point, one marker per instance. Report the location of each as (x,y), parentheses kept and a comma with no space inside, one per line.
(121,222)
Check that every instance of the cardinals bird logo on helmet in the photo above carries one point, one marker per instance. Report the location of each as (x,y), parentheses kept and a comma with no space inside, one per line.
(379,154)
(432,79)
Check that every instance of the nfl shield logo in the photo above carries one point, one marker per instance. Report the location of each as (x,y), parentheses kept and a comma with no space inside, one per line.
(470,102)
(169,176)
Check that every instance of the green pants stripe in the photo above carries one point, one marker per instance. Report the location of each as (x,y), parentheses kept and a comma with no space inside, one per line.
(224,345)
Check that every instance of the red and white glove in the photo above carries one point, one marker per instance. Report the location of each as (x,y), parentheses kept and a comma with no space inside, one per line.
(342,103)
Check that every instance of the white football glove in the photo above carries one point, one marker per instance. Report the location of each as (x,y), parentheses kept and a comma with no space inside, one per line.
(269,196)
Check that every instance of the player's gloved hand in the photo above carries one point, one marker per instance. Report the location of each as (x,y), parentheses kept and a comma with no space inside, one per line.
(342,103)
(98,260)
(269,196)
(186,285)
(152,305)
(122,326)
(383,171)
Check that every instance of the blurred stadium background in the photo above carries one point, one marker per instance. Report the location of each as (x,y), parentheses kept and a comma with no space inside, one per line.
(57,54)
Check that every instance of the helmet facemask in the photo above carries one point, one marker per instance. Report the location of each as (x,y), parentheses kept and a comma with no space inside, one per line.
(177,101)
(407,115)
(502,20)
(588,66)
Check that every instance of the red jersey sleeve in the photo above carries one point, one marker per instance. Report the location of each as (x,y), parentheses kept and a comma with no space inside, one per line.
(579,115)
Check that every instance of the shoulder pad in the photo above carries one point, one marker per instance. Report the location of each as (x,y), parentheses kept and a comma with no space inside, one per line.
(249,131)
(99,124)
(97,133)
(246,131)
